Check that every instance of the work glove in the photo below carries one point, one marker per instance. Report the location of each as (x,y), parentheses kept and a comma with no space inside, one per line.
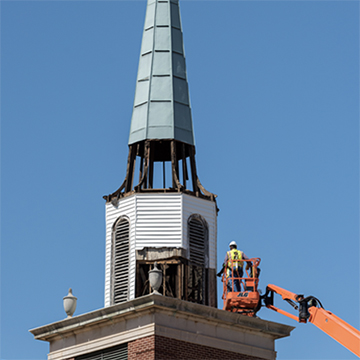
(221,271)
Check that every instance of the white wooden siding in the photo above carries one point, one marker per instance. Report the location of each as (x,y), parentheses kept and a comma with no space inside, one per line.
(125,208)
(207,209)
(157,220)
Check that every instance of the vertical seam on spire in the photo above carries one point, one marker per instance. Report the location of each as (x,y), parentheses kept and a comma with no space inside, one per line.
(186,78)
(151,70)
(171,71)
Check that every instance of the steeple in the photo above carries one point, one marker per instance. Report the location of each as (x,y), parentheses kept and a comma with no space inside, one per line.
(161,212)
(172,229)
(162,104)
(161,128)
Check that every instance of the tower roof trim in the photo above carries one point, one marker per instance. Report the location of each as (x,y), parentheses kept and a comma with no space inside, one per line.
(162,102)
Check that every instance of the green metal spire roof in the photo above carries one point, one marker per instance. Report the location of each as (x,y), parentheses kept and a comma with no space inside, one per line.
(162,103)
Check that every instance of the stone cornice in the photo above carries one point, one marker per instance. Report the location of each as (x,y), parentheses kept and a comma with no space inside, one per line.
(151,304)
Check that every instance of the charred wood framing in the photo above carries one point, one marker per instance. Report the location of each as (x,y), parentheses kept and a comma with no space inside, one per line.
(145,154)
(181,279)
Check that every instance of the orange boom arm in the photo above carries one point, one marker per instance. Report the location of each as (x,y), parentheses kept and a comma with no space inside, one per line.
(310,309)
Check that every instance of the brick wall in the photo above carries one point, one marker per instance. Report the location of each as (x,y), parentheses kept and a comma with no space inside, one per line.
(162,348)
(142,349)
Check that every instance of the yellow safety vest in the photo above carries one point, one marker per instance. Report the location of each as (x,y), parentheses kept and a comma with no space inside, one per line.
(234,254)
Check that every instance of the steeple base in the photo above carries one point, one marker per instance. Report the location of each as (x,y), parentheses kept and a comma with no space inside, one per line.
(179,176)
(171,228)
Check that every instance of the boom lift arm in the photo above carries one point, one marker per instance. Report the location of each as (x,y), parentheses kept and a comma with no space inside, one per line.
(311,309)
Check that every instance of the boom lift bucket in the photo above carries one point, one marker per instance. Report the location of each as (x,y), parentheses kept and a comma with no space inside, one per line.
(247,300)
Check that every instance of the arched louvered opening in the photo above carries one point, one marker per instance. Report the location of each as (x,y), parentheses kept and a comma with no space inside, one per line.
(120,275)
(198,255)
(197,241)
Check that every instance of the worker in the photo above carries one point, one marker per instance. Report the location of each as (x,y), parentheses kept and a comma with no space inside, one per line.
(237,271)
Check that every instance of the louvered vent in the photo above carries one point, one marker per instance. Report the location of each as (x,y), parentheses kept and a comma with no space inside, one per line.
(121,261)
(197,242)
(115,353)
(196,280)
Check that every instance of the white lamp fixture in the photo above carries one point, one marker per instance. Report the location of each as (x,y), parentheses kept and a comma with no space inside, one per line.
(70,303)
(155,278)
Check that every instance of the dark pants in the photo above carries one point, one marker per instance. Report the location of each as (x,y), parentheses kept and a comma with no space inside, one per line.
(238,273)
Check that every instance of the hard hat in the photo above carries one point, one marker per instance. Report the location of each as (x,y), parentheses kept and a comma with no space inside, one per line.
(233,243)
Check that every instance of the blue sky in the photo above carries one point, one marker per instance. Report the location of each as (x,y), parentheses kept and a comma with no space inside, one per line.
(274,88)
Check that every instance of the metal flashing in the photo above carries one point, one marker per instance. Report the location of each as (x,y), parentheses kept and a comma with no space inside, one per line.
(162,102)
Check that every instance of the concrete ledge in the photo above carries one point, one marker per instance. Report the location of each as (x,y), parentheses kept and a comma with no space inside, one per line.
(163,316)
